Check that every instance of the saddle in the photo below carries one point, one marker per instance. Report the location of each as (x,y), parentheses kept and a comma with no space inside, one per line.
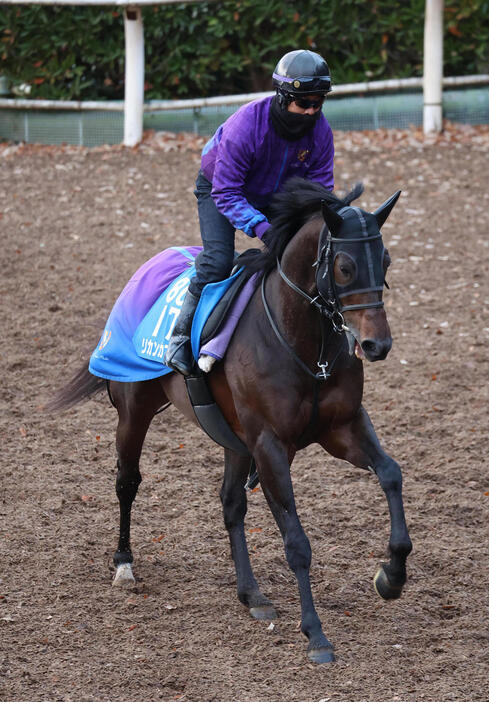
(220,311)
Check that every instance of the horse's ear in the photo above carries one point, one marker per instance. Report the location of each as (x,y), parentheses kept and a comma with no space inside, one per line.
(332,218)
(385,209)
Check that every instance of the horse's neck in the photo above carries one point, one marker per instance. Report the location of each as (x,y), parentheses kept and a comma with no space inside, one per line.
(295,314)
(300,255)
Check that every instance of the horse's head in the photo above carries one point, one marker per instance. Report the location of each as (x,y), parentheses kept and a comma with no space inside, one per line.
(351,271)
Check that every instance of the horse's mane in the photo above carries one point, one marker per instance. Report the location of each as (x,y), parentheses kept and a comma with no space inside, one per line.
(289,211)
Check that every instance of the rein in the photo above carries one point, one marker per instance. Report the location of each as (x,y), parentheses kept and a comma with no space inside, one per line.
(324,374)
(330,307)
(329,310)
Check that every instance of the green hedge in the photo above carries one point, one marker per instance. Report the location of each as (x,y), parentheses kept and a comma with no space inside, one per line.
(218,48)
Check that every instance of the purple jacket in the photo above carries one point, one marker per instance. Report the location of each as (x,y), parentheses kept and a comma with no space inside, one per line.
(247,161)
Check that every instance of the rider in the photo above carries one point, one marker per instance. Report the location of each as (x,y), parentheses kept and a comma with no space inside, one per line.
(250,157)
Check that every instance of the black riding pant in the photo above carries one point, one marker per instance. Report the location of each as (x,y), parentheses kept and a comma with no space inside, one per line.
(216,260)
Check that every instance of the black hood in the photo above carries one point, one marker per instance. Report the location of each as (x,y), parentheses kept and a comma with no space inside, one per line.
(290,125)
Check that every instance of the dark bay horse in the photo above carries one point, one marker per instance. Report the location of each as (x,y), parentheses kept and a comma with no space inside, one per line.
(292,376)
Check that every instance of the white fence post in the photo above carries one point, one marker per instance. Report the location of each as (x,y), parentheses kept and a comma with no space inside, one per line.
(433,67)
(134,76)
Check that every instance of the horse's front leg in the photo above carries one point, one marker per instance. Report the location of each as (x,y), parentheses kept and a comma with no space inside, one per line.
(357,443)
(273,464)
(234,505)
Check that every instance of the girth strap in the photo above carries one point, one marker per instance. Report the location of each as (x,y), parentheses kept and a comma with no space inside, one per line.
(209,415)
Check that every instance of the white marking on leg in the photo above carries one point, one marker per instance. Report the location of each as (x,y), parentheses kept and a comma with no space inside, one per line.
(123,576)
(206,363)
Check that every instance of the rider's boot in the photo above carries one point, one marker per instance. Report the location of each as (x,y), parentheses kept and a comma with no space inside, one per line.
(179,354)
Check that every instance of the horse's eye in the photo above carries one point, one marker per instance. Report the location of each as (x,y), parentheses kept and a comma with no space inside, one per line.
(387,259)
(344,269)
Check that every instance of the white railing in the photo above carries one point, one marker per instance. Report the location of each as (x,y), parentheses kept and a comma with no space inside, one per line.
(378,86)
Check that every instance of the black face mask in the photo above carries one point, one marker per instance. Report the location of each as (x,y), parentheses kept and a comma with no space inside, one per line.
(290,125)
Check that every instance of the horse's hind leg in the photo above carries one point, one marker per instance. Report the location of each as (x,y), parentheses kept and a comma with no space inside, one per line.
(234,503)
(136,404)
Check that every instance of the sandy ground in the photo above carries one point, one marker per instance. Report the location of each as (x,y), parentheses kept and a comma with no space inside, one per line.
(75,224)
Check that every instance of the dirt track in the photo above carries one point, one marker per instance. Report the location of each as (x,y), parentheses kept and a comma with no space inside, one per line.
(75,224)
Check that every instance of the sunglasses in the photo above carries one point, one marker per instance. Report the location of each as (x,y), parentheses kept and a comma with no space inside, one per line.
(305,104)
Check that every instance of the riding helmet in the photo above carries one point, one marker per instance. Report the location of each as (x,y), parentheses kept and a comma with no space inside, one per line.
(301,72)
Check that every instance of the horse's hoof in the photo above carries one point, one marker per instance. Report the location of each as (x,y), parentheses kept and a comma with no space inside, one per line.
(325,654)
(123,576)
(263,612)
(384,588)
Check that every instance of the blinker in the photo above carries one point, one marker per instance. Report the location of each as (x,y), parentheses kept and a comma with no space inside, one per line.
(361,241)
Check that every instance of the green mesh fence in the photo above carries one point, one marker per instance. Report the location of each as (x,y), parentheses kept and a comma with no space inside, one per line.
(62,127)
(400,111)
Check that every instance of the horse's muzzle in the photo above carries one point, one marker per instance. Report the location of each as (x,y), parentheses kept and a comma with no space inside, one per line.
(376,350)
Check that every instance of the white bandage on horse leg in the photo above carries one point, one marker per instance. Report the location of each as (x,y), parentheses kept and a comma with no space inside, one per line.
(123,576)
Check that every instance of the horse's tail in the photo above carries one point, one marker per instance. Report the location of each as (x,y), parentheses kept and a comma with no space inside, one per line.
(80,387)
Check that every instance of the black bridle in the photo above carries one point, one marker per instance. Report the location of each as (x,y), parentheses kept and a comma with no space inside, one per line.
(325,270)
(328,300)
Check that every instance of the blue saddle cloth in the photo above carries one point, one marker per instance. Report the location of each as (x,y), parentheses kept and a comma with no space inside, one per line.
(135,339)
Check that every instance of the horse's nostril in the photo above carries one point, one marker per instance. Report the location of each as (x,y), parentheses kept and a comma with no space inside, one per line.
(369,346)
(376,350)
